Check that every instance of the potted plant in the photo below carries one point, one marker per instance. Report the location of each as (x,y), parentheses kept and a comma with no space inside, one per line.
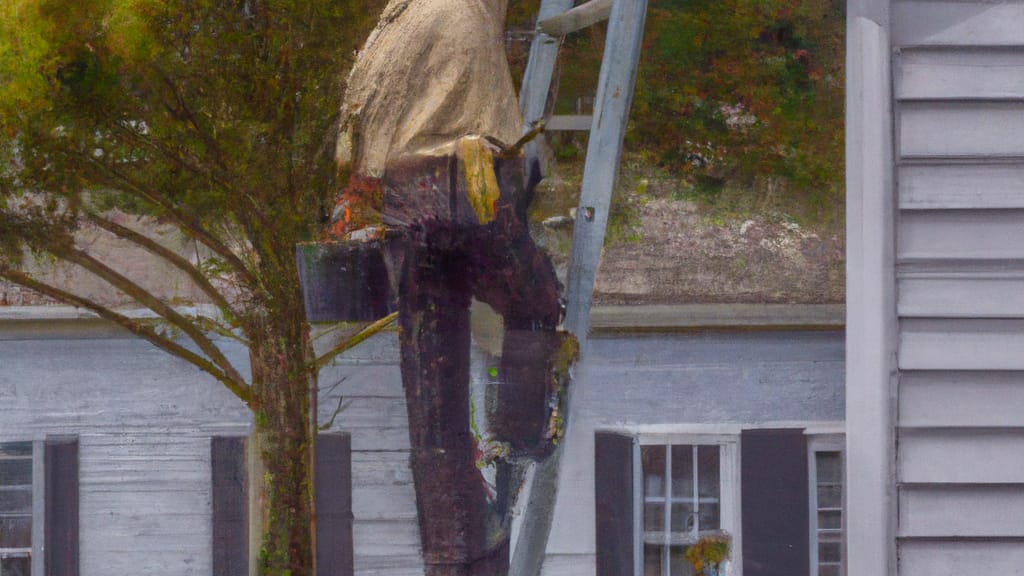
(709,554)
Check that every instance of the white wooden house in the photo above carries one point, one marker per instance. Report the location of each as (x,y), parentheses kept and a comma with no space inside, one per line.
(116,458)
(934,433)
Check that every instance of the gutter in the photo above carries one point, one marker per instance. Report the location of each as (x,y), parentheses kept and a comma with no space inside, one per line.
(52,320)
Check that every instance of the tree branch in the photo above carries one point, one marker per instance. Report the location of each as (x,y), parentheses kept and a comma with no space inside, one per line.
(142,296)
(136,327)
(158,250)
(181,158)
(190,117)
(182,220)
(359,337)
(189,162)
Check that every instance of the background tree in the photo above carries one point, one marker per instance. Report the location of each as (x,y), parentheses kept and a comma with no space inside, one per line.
(729,92)
(214,116)
(747,92)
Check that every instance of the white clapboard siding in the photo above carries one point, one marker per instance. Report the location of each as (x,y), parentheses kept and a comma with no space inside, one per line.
(953,74)
(957,23)
(960,296)
(383,502)
(569,565)
(380,380)
(381,349)
(961,345)
(144,421)
(961,129)
(386,538)
(961,234)
(961,186)
(387,468)
(967,511)
(365,439)
(961,399)
(958,72)
(138,494)
(410,565)
(942,558)
(961,456)
(364,412)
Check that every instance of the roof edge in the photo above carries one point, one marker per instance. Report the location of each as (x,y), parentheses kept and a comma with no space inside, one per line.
(623,318)
(672,317)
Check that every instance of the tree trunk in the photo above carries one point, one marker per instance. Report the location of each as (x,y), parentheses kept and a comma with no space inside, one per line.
(284,443)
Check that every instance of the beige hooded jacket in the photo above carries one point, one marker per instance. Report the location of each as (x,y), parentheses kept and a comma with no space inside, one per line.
(432,72)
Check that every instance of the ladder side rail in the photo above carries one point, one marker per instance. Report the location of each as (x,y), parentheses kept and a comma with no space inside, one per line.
(612,104)
(540,68)
(604,152)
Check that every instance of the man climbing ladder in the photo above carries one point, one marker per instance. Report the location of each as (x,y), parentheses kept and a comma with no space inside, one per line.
(429,115)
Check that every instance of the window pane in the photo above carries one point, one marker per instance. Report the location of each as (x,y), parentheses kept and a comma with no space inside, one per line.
(830,468)
(16,532)
(15,448)
(830,496)
(682,470)
(708,471)
(16,566)
(16,472)
(652,560)
(678,563)
(829,551)
(710,517)
(18,501)
(682,517)
(653,458)
(830,520)
(654,517)
(830,570)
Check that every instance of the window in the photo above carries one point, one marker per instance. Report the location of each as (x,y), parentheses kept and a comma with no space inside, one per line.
(15,509)
(39,489)
(826,504)
(777,492)
(686,494)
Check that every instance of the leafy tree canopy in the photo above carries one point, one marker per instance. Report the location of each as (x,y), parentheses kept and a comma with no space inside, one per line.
(737,91)
(741,89)
(214,116)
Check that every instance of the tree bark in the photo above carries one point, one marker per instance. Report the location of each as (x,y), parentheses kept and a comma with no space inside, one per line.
(284,444)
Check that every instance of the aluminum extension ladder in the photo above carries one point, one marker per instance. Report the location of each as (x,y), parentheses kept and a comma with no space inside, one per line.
(607,127)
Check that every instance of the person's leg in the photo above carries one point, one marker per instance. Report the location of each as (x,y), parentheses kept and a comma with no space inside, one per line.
(516,278)
(450,494)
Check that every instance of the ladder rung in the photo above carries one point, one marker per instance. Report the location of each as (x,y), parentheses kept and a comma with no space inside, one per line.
(577,19)
(569,123)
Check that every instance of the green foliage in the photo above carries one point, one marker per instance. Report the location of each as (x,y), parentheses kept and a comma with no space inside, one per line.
(733,93)
(708,554)
(218,111)
(743,90)
(217,117)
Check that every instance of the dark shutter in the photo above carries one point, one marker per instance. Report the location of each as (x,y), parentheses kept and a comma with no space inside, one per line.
(613,486)
(333,492)
(230,507)
(60,464)
(775,501)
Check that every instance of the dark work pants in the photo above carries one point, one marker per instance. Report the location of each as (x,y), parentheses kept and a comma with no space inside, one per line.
(445,264)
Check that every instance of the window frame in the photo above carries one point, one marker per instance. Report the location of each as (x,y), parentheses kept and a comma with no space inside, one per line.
(824,443)
(730,503)
(38,534)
